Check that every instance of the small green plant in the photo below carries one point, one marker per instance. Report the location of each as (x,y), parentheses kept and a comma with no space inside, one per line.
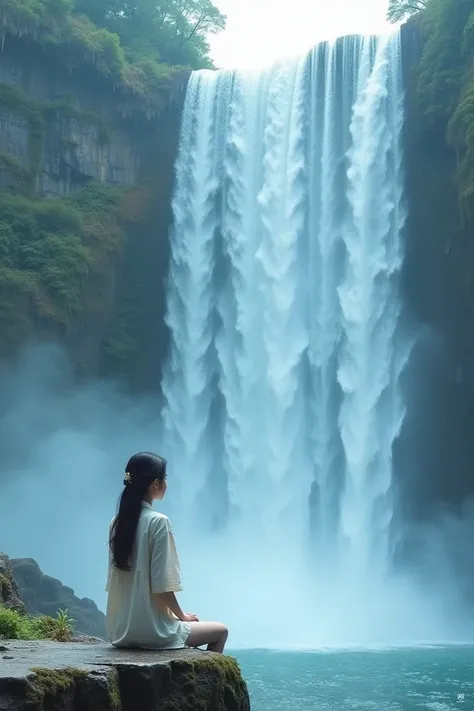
(64,627)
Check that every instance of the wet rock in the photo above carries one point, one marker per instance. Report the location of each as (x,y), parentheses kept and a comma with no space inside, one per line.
(39,676)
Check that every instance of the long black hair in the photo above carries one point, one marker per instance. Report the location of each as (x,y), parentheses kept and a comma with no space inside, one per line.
(142,469)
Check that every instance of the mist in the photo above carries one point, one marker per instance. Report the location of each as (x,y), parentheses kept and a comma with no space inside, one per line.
(64,449)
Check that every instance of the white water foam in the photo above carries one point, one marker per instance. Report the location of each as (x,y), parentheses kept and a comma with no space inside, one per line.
(281,394)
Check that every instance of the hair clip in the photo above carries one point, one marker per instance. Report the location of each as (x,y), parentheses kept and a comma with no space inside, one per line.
(127,478)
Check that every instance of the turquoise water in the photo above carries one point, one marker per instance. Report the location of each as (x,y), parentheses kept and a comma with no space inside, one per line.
(434,678)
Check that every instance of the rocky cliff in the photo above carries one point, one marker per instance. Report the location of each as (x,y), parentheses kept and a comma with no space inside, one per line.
(9,590)
(436,448)
(79,677)
(26,589)
(81,135)
(64,129)
(67,127)
(44,595)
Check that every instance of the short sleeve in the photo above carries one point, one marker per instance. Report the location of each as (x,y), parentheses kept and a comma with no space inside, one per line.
(165,575)
(110,564)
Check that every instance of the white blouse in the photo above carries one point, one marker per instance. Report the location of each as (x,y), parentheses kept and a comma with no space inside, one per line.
(133,619)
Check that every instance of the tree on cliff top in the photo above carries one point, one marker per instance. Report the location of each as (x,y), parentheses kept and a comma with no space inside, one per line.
(137,44)
(175,31)
(399,10)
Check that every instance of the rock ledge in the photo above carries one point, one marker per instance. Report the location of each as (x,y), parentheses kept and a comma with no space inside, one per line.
(39,676)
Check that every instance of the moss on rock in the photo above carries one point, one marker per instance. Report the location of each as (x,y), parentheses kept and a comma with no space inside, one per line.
(51,682)
(214,680)
(113,687)
(193,681)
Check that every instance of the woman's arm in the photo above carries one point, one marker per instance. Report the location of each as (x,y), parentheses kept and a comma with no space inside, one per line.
(169,599)
(164,571)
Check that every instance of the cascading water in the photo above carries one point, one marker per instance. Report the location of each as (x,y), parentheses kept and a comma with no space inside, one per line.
(281,393)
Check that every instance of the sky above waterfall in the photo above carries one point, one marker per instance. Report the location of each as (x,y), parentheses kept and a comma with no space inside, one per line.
(261,31)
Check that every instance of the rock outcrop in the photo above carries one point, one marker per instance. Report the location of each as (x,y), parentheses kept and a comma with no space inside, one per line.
(44,595)
(84,677)
(9,591)
(74,145)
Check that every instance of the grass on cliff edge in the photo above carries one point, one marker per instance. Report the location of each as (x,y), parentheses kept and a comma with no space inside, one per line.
(14,625)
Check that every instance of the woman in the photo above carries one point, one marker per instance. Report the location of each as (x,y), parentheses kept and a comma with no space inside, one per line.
(144,575)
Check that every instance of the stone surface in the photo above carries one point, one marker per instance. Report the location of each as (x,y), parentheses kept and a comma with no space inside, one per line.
(42,676)
(75,149)
(72,151)
(44,595)
(9,591)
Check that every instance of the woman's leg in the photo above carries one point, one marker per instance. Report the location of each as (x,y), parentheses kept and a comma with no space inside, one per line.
(214,634)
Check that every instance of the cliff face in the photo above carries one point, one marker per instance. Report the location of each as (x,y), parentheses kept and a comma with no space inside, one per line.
(9,590)
(90,141)
(60,131)
(44,595)
(436,448)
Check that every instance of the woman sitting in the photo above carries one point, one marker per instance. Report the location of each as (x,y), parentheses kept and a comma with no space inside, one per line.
(144,574)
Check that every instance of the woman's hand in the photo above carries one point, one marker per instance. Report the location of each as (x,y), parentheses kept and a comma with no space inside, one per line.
(189,617)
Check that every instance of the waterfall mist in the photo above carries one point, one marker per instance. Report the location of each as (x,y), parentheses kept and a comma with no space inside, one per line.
(282,394)
(64,450)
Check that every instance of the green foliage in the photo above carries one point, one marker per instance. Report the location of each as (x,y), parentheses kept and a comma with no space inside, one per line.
(399,10)
(64,627)
(14,625)
(446,84)
(50,251)
(19,175)
(26,16)
(174,30)
(139,47)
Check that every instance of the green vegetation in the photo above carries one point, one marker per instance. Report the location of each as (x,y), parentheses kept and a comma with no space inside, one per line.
(57,256)
(138,47)
(51,682)
(14,625)
(399,10)
(445,80)
(50,251)
(446,85)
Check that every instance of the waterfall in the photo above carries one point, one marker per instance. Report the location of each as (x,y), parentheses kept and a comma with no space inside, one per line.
(281,392)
